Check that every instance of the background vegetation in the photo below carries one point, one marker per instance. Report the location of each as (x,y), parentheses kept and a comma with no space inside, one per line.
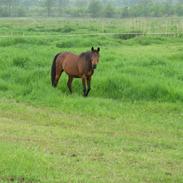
(91,8)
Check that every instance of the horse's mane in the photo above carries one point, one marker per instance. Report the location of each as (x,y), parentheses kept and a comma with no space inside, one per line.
(86,55)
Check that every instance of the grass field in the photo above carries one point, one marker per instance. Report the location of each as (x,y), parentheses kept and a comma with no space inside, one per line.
(130,128)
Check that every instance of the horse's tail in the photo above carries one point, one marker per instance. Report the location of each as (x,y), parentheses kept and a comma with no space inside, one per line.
(53,71)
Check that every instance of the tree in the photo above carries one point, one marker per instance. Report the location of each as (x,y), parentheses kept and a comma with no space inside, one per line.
(62,4)
(109,11)
(49,5)
(81,3)
(125,12)
(9,5)
(95,8)
(168,8)
(179,9)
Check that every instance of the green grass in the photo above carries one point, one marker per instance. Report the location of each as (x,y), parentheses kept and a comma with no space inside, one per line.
(130,143)
(129,129)
(141,144)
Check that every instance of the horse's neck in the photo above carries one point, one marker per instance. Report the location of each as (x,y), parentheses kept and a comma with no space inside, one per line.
(86,58)
(88,65)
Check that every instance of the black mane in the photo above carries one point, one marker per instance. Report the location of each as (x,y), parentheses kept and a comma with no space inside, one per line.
(86,55)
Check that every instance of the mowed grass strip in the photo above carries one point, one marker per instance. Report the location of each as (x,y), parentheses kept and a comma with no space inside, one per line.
(143,144)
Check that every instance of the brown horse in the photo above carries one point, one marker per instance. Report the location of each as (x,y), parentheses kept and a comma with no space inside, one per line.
(75,66)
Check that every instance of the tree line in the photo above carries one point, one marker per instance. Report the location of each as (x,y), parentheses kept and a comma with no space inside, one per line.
(91,8)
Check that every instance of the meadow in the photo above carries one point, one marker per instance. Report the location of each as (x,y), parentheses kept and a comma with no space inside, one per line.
(129,129)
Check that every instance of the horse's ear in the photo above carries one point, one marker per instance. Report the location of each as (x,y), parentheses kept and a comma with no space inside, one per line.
(98,49)
(92,49)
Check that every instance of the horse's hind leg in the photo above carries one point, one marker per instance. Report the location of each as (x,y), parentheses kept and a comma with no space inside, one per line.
(59,71)
(69,83)
(58,76)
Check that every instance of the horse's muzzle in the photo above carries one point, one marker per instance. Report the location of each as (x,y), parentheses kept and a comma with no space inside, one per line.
(94,66)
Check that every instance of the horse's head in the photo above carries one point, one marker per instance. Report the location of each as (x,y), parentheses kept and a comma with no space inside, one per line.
(95,57)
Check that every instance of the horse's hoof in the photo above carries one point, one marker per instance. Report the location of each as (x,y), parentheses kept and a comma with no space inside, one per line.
(85,95)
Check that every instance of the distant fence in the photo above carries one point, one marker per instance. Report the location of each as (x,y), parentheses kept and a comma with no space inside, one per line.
(20,34)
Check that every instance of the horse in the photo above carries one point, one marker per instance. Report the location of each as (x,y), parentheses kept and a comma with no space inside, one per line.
(75,66)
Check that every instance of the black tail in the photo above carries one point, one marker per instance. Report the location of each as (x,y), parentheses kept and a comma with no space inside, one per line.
(53,71)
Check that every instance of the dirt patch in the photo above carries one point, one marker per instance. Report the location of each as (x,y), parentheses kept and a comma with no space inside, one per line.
(10,179)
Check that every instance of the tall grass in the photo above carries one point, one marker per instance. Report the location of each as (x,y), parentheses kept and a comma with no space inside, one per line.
(128,69)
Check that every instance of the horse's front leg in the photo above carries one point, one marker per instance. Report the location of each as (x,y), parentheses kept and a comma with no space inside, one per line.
(84,82)
(69,83)
(89,85)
